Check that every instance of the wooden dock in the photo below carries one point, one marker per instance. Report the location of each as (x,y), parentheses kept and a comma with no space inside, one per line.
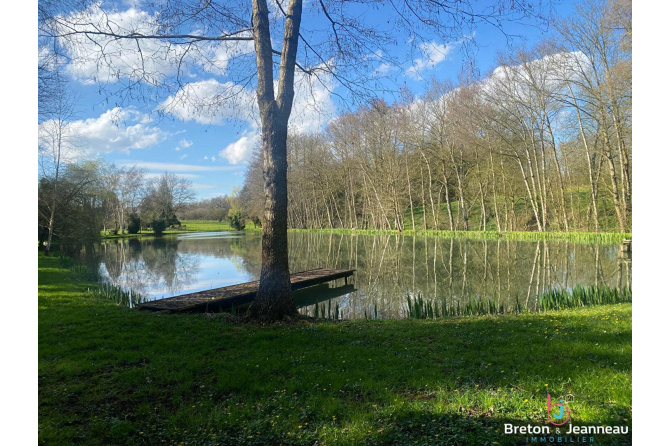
(243,293)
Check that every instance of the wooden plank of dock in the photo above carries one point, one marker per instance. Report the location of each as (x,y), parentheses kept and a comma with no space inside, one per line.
(240,294)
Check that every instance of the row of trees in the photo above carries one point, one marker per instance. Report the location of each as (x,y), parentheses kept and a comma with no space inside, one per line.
(80,199)
(341,52)
(543,143)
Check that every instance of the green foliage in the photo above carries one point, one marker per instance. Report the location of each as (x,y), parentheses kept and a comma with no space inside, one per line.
(173,221)
(158,225)
(78,212)
(133,224)
(236,220)
(579,296)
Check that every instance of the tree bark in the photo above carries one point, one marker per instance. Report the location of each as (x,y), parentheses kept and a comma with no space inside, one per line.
(274,300)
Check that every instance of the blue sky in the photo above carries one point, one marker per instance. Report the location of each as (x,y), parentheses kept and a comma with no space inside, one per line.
(211,149)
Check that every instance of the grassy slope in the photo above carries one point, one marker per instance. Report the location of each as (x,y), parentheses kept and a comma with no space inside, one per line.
(577,201)
(110,375)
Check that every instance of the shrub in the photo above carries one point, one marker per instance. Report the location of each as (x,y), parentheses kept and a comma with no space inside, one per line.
(173,221)
(158,225)
(133,224)
(236,220)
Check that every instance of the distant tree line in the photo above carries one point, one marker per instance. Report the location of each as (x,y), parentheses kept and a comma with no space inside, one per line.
(211,209)
(542,143)
(89,198)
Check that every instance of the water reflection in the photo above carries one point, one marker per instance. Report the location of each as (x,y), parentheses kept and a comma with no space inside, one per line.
(389,267)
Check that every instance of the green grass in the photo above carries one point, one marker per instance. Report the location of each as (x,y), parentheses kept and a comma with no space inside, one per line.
(577,237)
(113,375)
(187,226)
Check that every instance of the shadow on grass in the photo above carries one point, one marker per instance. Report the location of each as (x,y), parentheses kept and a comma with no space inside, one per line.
(110,375)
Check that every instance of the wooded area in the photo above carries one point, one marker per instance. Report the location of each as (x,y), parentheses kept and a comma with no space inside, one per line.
(543,143)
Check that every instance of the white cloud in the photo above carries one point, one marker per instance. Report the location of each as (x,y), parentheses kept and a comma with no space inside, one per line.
(384,69)
(149,60)
(313,106)
(241,149)
(187,176)
(121,57)
(433,54)
(183,144)
(211,102)
(549,72)
(116,130)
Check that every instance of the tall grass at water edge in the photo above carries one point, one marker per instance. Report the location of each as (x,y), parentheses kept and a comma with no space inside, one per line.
(103,289)
(555,299)
(121,296)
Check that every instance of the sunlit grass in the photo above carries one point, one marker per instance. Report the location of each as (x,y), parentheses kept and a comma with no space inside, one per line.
(187,226)
(113,375)
(577,237)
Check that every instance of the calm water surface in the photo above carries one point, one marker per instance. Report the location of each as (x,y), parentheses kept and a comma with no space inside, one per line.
(389,267)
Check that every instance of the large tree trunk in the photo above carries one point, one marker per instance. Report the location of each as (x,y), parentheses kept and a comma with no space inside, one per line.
(273,300)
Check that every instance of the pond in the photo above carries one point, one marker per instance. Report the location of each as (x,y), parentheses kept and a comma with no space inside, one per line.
(389,268)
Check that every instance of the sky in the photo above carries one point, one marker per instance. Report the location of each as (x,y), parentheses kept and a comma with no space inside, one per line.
(650,171)
(162,132)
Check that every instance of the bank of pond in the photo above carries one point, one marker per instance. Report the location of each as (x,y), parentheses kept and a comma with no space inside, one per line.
(396,276)
(113,375)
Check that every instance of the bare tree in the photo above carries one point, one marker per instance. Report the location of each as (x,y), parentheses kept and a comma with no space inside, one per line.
(180,32)
(166,196)
(58,144)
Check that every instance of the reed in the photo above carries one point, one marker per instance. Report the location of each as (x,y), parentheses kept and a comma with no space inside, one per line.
(555,299)
(581,296)
(127,298)
(78,272)
(324,311)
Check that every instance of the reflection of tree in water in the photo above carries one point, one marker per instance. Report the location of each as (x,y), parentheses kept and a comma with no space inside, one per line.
(144,265)
(390,267)
(167,265)
(242,250)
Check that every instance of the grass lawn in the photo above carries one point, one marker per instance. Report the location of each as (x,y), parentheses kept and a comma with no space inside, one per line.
(187,226)
(587,237)
(111,375)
